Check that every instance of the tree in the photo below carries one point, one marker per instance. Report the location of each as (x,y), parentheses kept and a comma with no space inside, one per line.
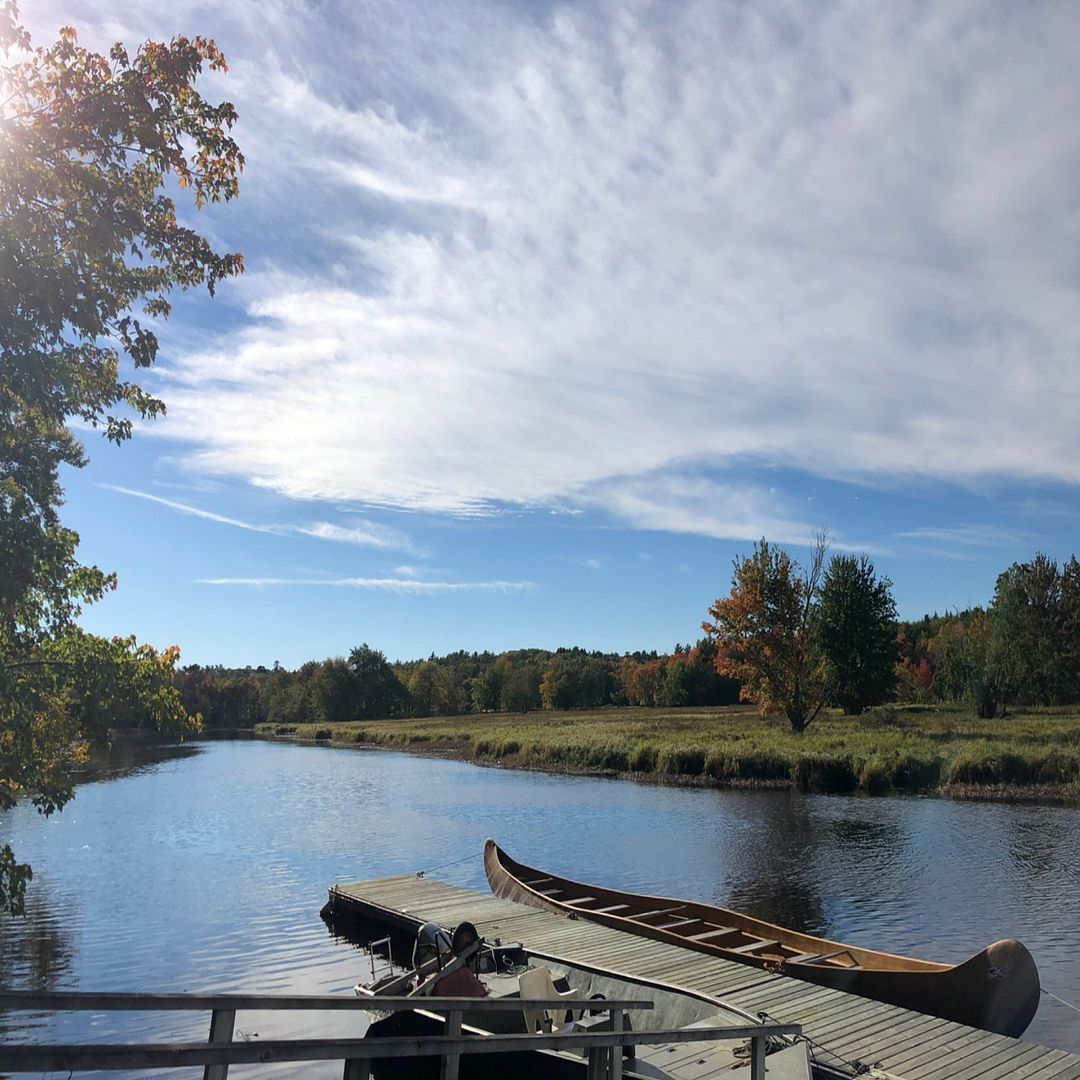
(380,693)
(90,246)
(856,629)
(764,633)
(967,665)
(485,690)
(1028,638)
(333,691)
(644,681)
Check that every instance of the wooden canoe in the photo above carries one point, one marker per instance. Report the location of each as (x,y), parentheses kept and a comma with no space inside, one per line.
(997,989)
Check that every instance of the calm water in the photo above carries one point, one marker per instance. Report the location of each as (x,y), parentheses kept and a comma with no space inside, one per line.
(204,868)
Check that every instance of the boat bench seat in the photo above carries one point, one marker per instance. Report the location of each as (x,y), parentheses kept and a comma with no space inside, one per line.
(674,923)
(547,892)
(575,900)
(660,911)
(720,931)
(613,907)
(754,946)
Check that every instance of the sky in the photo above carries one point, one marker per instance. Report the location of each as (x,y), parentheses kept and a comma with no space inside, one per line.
(552,310)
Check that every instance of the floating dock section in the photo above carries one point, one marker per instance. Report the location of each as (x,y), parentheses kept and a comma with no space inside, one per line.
(849,1035)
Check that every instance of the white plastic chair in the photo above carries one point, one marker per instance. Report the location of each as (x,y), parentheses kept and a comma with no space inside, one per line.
(537,984)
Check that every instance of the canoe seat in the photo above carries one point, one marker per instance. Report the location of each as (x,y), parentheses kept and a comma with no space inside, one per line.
(754,946)
(676,922)
(613,907)
(580,900)
(720,931)
(538,881)
(547,892)
(659,911)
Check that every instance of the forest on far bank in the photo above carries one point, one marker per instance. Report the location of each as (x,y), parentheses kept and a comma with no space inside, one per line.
(1023,649)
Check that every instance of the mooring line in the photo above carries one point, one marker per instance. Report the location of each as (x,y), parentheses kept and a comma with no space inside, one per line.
(456,862)
(1061,1001)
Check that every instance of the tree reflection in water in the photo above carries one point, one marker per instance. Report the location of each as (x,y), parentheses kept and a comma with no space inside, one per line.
(771,867)
(776,871)
(36,953)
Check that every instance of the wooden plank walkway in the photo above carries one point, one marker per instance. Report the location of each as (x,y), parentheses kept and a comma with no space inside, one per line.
(846,1031)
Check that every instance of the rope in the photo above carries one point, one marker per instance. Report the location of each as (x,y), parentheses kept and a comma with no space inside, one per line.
(858,1068)
(772,1044)
(1060,1001)
(456,862)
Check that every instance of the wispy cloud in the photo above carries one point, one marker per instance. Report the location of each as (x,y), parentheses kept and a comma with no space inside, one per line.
(394,585)
(367,534)
(576,261)
(194,511)
(983,536)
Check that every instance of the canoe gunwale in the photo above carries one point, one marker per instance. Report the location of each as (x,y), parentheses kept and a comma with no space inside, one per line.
(997,989)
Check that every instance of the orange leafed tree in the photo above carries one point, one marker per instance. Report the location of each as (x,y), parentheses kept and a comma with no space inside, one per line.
(764,633)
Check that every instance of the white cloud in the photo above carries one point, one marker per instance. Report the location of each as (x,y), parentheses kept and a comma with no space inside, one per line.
(578,259)
(395,585)
(194,511)
(366,534)
(986,536)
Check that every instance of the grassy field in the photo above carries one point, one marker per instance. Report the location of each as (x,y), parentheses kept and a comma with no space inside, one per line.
(892,748)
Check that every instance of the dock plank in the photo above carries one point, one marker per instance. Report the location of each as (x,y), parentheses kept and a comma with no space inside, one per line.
(844,1028)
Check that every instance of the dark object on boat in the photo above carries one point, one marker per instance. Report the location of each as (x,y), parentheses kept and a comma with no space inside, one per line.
(997,989)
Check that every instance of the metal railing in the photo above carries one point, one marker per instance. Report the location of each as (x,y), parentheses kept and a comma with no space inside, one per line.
(602,1047)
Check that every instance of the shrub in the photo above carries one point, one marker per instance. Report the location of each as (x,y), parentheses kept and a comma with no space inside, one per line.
(875,776)
(914,773)
(614,758)
(762,765)
(681,761)
(815,772)
(285,729)
(986,765)
(1057,767)
(643,758)
(885,717)
(322,735)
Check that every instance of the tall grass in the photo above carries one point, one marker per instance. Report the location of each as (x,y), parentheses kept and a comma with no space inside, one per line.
(912,749)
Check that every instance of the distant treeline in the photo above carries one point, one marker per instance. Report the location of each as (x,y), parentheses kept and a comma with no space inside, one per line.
(366,686)
(1022,650)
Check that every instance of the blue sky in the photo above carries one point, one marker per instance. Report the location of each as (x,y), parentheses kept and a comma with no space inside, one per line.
(551,310)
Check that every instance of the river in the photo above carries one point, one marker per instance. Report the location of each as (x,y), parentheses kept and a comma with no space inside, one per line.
(202,868)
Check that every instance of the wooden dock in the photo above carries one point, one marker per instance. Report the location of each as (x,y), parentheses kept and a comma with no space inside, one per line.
(850,1035)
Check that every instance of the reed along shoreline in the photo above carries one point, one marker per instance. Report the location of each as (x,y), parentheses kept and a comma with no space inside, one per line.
(1032,755)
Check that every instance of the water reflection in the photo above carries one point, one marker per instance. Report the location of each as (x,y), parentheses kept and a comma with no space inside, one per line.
(36,953)
(771,868)
(130,753)
(204,868)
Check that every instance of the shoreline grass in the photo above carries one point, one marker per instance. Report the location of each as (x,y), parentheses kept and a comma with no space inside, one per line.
(914,749)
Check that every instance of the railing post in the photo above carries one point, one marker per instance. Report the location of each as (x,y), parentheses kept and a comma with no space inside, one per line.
(597,1061)
(222,1022)
(615,1071)
(757,1058)
(357,1069)
(450,1062)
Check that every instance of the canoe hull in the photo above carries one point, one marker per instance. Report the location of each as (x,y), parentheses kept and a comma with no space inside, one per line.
(996,989)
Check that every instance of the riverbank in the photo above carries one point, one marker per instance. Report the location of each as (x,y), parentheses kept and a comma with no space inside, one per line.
(917,749)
